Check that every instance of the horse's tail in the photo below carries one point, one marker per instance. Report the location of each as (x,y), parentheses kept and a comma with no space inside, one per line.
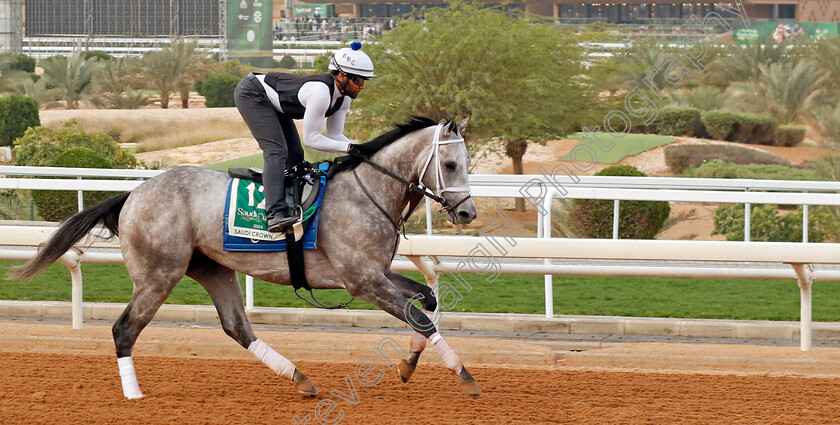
(71,231)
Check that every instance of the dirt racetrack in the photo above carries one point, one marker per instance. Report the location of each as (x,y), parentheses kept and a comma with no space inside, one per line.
(40,385)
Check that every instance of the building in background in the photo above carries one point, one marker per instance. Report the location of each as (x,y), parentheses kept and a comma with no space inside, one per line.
(11,26)
(608,11)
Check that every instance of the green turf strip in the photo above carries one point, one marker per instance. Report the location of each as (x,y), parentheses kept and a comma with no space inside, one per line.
(590,295)
(629,144)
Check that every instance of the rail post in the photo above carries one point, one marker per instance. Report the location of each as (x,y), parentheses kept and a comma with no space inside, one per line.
(546,233)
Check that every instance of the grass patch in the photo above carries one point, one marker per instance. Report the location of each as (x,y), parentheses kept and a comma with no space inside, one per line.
(630,144)
(590,295)
(244,162)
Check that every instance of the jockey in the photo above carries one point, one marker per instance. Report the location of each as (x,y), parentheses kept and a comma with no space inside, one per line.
(270,102)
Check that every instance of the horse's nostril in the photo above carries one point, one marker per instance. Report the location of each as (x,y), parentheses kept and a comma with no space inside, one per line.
(465,215)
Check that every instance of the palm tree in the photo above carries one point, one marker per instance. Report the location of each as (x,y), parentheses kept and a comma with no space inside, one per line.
(40,91)
(704,98)
(828,118)
(170,68)
(116,91)
(193,69)
(10,78)
(72,77)
(826,53)
(742,63)
(634,64)
(783,90)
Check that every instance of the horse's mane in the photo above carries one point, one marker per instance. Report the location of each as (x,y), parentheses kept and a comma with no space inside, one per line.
(374,145)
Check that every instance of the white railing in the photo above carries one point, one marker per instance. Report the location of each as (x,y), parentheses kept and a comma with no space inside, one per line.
(673,189)
(799,255)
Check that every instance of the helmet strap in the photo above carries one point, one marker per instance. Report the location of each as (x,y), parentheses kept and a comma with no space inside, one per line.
(342,85)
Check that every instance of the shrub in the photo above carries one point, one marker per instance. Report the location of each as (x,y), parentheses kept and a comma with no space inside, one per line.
(726,170)
(636,219)
(723,124)
(40,146)
(679,122)
(17,113)
(99,54)
(789,135)
(681,157)
(766,224)
(217,90)
(288,62)
(322,64)
(57,205)
(720,123)
(754,129)
(24,63)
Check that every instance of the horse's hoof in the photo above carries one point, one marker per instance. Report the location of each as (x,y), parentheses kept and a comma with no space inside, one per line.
(304,385)
(409,365)
(468,384)
(406,370)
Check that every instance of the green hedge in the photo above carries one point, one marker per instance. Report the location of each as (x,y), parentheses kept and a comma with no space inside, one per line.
(767,224)
(727,170)
(636,219)
(720,123)
(217,90)
(17,113)
(40,145)
(57,205)
(288,62)
(724,124)
(23,63)
(754,129)
(679,122)
(681,157)
(789,135)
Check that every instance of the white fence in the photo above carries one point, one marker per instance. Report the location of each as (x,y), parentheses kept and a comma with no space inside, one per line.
(459,254)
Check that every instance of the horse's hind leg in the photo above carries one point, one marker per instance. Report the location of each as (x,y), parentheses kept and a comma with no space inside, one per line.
(222,284)
(151,288)
(414,290)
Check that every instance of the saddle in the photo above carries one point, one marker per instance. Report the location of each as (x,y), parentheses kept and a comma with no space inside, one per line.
(303,182)
(303,185)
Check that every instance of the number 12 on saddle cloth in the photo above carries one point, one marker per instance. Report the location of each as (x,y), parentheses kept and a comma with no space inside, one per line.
(245,226)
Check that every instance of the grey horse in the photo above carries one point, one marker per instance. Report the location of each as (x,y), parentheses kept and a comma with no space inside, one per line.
(171,226)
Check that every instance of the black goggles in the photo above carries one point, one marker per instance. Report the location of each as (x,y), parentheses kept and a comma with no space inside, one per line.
(357,79)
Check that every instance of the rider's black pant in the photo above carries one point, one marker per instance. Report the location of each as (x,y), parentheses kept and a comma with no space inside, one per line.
(276,135)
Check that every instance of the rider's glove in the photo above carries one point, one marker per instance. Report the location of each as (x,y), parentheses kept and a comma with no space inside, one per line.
(360,150)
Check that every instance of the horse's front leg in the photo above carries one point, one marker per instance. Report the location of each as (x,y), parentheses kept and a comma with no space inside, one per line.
(381,292)
(414,290)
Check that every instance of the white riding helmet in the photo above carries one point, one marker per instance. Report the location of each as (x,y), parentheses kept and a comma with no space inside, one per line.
(352,60)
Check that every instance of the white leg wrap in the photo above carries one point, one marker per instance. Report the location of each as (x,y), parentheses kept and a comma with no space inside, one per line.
(128,376)
(450,359)
(274,360)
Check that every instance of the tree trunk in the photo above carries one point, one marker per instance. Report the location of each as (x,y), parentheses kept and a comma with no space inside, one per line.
(515,149)
(185,99)
(164,100)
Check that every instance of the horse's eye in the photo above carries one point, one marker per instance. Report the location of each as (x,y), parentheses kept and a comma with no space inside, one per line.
(450,165)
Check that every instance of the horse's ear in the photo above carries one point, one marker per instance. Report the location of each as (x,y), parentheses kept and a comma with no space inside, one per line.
(450,126)
(463,124)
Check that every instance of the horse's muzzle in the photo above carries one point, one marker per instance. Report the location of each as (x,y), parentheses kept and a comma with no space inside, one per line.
(464,213)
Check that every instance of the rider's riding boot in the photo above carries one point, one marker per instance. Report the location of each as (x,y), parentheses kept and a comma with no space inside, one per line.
(279,220)
(278,216)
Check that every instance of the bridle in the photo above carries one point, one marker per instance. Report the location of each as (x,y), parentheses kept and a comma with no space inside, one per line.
(419,188)
(440,184)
